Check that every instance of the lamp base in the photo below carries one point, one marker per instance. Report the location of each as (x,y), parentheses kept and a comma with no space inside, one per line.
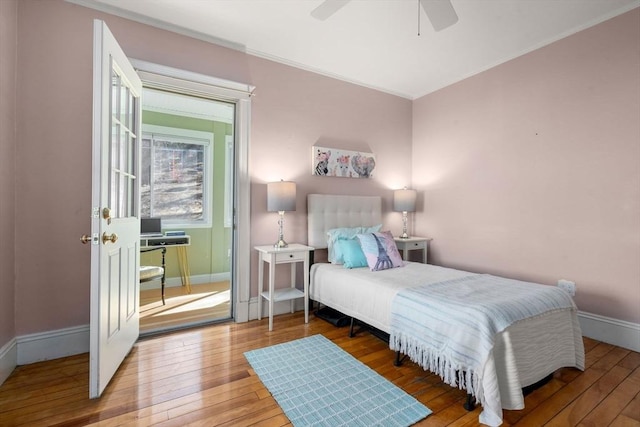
(404,234)
(280,244)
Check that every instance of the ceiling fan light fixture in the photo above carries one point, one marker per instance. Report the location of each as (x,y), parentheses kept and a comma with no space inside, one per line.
(328,8)
(440,12)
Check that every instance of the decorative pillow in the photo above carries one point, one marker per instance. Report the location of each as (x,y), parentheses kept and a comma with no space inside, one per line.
(351,253)
(380,250)
(344,233)
(372,229)
(336,234)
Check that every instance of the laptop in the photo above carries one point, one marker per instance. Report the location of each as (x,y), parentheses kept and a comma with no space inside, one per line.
(150,227)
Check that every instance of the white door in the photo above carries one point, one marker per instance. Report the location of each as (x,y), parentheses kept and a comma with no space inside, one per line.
(115,228)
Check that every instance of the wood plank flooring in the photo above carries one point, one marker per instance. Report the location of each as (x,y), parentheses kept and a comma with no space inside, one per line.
(207,302)
(200,377)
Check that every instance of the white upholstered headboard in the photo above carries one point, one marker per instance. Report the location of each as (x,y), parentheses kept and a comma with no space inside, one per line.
(327,211)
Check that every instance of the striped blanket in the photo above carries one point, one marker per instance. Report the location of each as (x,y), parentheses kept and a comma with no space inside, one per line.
(449,328)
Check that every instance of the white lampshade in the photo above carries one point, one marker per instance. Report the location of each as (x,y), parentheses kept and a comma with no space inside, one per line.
(404,200)
(281,196)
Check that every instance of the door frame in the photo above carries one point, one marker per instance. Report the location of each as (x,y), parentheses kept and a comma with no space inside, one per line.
(188,82)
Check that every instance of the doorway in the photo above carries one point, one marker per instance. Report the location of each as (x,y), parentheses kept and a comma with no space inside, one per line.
(186,177)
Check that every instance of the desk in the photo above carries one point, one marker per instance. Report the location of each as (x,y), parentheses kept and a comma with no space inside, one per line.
(178,242)
(292,254)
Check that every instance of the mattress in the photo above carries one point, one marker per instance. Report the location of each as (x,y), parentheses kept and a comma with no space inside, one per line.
(349,290)
(524,353)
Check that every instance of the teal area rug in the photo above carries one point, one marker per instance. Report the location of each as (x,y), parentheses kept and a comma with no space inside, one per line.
(316,383)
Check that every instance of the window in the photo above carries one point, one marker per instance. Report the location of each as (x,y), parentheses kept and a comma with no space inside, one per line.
(175,176)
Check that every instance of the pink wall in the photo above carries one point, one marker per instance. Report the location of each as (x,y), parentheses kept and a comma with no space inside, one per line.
(8,43)
(532,169)
(528,170)
(292,110)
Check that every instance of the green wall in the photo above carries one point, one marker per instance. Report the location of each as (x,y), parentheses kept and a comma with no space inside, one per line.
(208,252)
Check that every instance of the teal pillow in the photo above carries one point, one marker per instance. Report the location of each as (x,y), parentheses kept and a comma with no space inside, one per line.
(351,253)
(336,234)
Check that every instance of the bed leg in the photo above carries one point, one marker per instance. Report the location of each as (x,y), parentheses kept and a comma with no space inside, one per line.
(399,359)
(352,328)
(528,389)
(468,404)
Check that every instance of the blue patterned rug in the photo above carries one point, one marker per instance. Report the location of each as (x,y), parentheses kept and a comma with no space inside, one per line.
(316,383)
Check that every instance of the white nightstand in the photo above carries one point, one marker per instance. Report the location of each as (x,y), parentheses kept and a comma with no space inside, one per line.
(293,254)
(411,244)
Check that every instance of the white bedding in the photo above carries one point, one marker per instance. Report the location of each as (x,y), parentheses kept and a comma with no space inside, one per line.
(349,291)
(524,353)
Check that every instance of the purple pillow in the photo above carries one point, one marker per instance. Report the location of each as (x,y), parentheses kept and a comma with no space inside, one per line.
(380,250)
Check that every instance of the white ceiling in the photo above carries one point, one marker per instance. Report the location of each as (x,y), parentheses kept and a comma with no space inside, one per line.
(375,43)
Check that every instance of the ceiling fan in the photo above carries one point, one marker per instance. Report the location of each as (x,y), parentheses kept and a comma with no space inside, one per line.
(440,12)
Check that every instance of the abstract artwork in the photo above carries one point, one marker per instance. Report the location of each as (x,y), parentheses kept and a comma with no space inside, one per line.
(342,163)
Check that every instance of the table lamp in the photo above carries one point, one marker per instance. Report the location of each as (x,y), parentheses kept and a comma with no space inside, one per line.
(404,201)
(281,197)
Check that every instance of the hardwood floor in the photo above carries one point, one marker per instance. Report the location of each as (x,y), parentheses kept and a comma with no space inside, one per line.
(200,377)
(207,302)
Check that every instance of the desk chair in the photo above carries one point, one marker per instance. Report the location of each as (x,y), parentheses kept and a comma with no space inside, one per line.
(153,272)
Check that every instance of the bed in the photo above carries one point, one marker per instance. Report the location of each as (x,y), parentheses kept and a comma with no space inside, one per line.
(520,355)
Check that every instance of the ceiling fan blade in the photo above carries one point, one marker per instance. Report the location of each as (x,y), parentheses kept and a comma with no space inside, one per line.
(328,8)
(440,13)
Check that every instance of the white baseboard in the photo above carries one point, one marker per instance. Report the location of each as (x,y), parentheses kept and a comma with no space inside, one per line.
(8,359)
(242,312)
(612,331)
(195,280)
(69,341)
(52,344)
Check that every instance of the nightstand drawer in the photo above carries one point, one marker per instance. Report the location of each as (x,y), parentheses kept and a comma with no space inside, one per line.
(409,245)
(416,245)
(405,245)
(290,256)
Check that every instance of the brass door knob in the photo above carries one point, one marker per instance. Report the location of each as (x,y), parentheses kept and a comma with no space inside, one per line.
(109,238)
(106,214)
(85,238)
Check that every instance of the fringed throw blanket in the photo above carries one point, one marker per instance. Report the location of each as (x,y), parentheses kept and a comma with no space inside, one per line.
(449,328)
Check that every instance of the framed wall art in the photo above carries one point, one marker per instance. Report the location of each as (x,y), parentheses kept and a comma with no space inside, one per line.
(342,163)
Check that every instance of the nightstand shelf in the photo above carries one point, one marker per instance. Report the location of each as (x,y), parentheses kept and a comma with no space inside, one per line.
(283,294)
(411,244)
(293,254)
